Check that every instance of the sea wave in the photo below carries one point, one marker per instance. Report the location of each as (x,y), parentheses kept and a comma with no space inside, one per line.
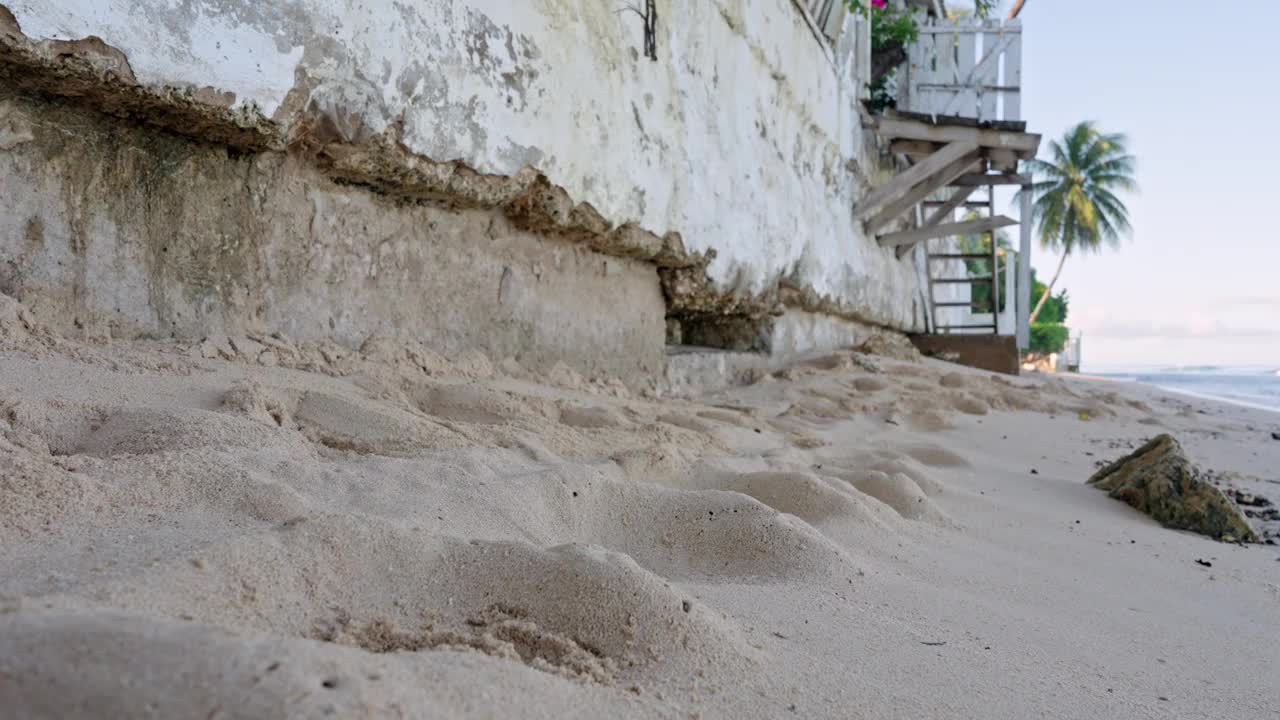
(1252,387)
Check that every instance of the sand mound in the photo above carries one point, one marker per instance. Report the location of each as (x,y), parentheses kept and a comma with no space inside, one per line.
(466,403)
(869,384)
(899,492)
(592,417)
(816,500)
(37,492)
(969,405)
(143,431)
(704,534)
(688,422)
(935,456)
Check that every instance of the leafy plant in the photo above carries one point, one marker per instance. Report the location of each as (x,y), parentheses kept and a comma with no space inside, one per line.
(891,30)
(984,8)
(981,243)
(889,26)
(1048,338)
(1056,307)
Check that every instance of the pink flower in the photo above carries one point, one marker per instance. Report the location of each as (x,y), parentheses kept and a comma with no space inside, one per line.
(878,3)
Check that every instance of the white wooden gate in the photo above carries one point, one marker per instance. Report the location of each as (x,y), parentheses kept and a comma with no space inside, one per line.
(970,69)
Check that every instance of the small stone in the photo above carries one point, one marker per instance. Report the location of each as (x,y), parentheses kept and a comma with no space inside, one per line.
(1275,436)
(1205,563)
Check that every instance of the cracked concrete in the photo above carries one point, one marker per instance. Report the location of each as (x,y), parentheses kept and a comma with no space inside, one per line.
(491,121)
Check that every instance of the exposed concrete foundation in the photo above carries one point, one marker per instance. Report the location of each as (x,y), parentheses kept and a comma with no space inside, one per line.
(783,336)
(719,352)
(115,229)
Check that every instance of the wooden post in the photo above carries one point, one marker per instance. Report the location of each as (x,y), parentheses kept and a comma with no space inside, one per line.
(1024,269)
(995,265)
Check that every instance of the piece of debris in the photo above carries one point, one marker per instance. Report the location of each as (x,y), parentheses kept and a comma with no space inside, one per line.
(891,345)
(933,644)
(1244,498)
(1205,563)
(1275,436)
(1160,481)
(1035,471)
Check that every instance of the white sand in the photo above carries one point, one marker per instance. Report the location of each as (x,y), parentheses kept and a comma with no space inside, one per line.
(390,534)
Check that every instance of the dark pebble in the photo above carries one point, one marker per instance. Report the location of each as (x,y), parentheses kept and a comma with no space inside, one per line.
(1205,563)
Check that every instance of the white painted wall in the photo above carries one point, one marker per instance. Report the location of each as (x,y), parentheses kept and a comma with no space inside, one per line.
(738,136)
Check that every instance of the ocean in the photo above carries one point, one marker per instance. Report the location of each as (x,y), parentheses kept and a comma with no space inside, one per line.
(1257,387)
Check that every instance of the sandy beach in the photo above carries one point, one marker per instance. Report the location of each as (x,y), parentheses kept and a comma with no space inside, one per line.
(251,528)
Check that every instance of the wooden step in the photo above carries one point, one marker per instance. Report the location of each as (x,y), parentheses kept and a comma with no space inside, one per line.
(965,281)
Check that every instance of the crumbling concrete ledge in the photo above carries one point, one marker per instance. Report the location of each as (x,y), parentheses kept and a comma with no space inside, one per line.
(98,76)
(334,143)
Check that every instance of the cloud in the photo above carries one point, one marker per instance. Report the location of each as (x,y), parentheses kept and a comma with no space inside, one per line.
(1256,301)
(1102,323)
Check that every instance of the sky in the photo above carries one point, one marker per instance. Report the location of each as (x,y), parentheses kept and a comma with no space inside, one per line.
(1196,87)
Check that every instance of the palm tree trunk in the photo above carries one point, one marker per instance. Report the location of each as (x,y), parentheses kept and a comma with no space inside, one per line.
(1048,289)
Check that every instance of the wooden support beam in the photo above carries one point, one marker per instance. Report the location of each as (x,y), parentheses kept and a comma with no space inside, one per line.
(967,205)
(893,128)
(941,214)
(923,190)
(914,148)
(908,179)
(1003,160)
(949,206)
(1024,269)
(910,237)
(981,179)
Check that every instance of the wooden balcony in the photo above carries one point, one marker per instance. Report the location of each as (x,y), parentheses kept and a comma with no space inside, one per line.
(969,69)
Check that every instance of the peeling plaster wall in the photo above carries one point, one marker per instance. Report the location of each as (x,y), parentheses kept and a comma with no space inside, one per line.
(112,230)
(739,137)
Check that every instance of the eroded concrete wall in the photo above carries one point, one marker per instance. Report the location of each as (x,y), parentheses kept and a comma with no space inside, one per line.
(111,229)
(741,140)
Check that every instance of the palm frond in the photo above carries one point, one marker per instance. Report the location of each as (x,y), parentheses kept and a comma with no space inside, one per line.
(1076,180)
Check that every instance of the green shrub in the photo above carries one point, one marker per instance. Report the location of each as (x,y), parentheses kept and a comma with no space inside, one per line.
(1048,337)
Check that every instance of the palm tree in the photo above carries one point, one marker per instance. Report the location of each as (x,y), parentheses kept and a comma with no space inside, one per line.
(1076,208)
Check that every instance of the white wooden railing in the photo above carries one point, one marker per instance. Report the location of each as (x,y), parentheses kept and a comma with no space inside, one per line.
(970,69)
(827,15)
